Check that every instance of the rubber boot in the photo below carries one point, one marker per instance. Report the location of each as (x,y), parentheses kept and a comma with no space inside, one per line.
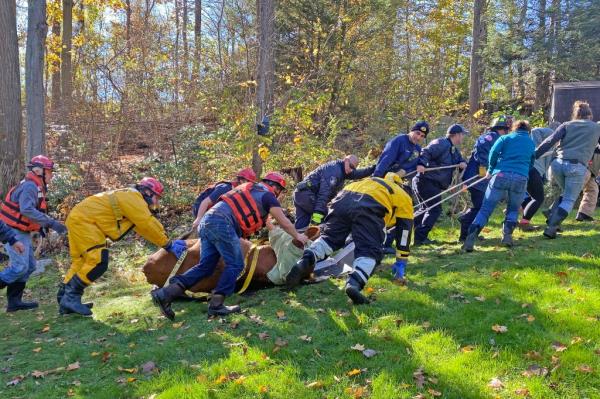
(472,235)
(582,217)
(554,222)
(216,307)
(301,270)
(14,293)
(71,300)
(61,292)
(548,213)
(162,297)
(464,229)
(507,231)
(353,289)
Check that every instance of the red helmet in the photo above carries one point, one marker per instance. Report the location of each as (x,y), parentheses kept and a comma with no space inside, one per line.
(247,174)
(276,178)
(41,161)
(153,185)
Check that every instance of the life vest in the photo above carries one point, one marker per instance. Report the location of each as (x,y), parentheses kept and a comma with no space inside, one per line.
(247,211)
(204,194)
(10,213)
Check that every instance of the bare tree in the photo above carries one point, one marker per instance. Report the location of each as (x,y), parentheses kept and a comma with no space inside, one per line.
(475,68)
(197,36)
(34,76)
(55,76)
(66,68)
(11,161)
(265,74)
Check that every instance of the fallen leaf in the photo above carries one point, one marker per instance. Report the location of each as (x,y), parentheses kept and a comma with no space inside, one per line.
(522,392)
(499,329)
(305,338)
(585,368)
(163,338)
(496,275)
(530,318)
(558,346)
(358,347)
(221,379)
(263,336)
(576,340)
(525,305)
(315,385)
(280,342)
(480,298)
(178,325)
(433,392)
(234,324)
(369,290)
(467,348)
(149,367)
(535,370)
(533,355)
(369,353)
(16,380)
(426,324)
(38,374)
(201,378)
(419,377)
(263,389)
(37,350)
(131,379)
(281,315)
(77,383)
(240,380)
(105,357)
(496,384)
(73,366)
(130,371)
(597,352)
(46,328)
(353,372)
(94,354)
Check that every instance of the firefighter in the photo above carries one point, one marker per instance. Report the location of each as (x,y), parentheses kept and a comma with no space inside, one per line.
(318,188)
(24,211)
(440,153)
(576,141)
(478,165)
(400,154)
(207,198)
(241,212)
(364,209)
(111,214)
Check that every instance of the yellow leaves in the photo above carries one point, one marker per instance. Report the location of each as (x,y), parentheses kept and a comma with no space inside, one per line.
(353,372)
(315,385)
(467,348)
(263,389)
(130,371)
(178,325)
(221,379)
(288,80)
(46,328)
(264,152)
(297,139)
(281,315)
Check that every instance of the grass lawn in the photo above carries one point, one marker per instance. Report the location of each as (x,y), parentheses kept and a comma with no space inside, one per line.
(434,338)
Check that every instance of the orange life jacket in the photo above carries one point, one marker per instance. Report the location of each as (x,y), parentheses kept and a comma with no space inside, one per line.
(244,207)
(10,213)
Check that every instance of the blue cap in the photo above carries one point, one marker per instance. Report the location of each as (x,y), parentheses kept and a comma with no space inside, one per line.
(421,126)
(456,128)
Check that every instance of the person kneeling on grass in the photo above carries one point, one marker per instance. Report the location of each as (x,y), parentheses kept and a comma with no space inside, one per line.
(510,158)
(363,209)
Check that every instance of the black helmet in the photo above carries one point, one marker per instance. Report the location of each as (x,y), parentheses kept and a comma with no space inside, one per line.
(500,122)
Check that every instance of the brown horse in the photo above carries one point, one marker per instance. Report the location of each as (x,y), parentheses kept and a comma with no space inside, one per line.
(160,264)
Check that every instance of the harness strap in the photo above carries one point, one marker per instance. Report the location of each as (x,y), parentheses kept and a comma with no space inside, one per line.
(383,183)
(252,267)
(176,267)
(114,204)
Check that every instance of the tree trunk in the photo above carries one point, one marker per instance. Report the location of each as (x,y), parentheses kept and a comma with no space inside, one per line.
(265,74)
(11,158)
(542,58)
(55,77)
(197,36)
(475,67)
(184,39)
(66,68)
(34,76)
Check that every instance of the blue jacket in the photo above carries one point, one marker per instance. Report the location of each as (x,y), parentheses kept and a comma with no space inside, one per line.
(327,180)
(479,157)
(440,152)
(398,153)
(6,234)
(514,152)
(26,195)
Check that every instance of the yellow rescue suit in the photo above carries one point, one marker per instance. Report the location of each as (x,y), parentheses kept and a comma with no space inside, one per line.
(110,214)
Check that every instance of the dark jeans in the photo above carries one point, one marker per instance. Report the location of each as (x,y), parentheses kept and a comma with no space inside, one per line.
(218,238)
(425,189)
(467,218)
(503,185)
(535,189)
(304,201)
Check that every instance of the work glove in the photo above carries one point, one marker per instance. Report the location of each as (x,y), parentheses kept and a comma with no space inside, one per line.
(58,227)
(176,247)
(398,269)
(316,218)
(482,171)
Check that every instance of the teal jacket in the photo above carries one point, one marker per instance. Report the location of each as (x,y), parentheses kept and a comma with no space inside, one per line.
(514,152)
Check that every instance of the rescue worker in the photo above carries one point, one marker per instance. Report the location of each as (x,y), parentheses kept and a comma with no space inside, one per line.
(312,194)
(241,212)
(25,210)
(400,154)
(537,178)
(207,198)
(111,214)
(576,141)
(510,159)
(589,200)
(364,209)
(478,165)
(441,152)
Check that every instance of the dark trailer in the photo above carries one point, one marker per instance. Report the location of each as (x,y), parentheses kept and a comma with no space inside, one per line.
(566,93)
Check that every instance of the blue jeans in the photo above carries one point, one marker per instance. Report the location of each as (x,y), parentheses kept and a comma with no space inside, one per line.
(20,266)
(570,177)
(503,185)
(218,238)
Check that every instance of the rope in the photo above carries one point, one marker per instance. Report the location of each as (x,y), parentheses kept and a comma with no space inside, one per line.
(445,191)
(432,169)
(450,196)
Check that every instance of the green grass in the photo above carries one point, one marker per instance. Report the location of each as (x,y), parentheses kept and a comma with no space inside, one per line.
(441,324)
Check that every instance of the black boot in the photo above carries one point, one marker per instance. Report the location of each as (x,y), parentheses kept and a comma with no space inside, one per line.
(59,295)
(582,217)
(301,270)
(2,284)
(548,213)
(216,307)
(472,234)
(71,300)
(353,289)
(554,222)
(464,229)
(14,293)
(163,297)
(507,231)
